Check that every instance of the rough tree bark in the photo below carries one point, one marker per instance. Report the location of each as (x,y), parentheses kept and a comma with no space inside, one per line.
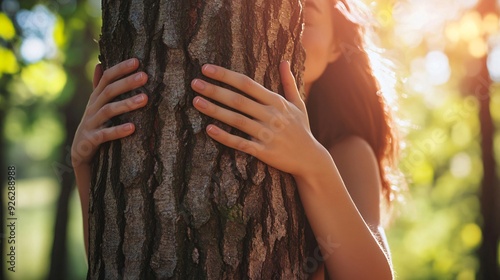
(169,202)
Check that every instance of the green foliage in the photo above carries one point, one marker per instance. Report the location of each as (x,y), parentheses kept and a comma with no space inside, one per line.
(45,51)
(437,231)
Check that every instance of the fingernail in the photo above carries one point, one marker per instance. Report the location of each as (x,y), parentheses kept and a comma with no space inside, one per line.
(199,84)
(127,127)
(200,102)
(139,98)
(138,76)
(131,62)
(213,130)
(209,69)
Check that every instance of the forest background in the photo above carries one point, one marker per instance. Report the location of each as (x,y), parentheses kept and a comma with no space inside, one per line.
(48,51)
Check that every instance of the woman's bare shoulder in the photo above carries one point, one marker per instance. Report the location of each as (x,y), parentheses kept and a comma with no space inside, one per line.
(359,169)
(354,149)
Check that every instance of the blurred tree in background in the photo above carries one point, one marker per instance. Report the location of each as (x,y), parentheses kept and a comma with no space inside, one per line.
(47,54)
(442,51)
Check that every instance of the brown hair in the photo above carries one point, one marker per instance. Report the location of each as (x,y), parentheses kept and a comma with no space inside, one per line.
(347,99)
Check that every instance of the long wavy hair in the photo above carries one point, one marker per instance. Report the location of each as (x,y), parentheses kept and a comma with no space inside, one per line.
(348,100)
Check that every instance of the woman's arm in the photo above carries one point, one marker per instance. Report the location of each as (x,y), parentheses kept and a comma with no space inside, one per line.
(341,211)
(280,137)
(91,132)
(82,176)
(358,166)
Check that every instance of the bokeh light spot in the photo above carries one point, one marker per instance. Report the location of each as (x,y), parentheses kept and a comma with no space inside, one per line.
(470,26)
(478,47)
(32,49)
(471,235)
(490,23)
(437,67)
(9,62)
(461,165)
(7,30)
(44,79)
(452,32)
(59,37)
(494,64)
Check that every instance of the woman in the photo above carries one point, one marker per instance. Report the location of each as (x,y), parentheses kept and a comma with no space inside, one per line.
(339,162)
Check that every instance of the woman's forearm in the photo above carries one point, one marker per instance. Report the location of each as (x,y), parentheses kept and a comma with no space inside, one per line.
(82,174)
(348,247)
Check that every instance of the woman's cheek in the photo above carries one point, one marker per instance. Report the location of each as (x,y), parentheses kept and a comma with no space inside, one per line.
(316,45)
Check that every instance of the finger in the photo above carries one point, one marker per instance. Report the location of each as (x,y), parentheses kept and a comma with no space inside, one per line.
(233,141)
(113,109)
(87,146)
(109,133)
(241,82)
(112,74)
(119,87)
(97,75)
(229,117)
(290,86)
(232,99)
(116,132)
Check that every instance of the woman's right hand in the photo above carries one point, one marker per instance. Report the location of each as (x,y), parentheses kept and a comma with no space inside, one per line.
(92,131)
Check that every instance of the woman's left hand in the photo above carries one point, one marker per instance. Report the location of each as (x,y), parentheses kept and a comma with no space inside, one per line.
(279,127)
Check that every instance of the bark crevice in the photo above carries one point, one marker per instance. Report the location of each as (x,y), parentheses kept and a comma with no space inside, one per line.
(169,202)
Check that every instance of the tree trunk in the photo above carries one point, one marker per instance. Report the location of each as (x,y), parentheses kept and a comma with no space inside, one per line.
(3,182)
(169,202)
(488,251)
(73,111)
(490,188)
